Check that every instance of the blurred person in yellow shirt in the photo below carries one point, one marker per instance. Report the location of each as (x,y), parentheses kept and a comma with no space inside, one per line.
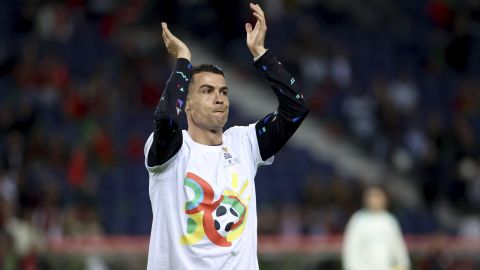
(373,239)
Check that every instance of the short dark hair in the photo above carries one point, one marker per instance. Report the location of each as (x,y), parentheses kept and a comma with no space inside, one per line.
(207,68)
(380,186)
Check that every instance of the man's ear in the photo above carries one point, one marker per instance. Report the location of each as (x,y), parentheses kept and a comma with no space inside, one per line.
(189,96)
(187,104)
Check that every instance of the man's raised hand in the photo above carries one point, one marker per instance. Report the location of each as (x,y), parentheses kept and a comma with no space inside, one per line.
(175,46)
(256,35)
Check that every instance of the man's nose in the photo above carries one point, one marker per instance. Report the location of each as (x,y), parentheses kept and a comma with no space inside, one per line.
(219,98)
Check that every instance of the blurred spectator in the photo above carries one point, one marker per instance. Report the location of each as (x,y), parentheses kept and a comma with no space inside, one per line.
(404,94)
(437,259)
(8,187)
(54,22)
(48,216)
(270,220)
(291,220)
(359,109)
(341,68)
(470,226)
(373,239)
(316,196)
(82,220)
(27,241)
(8,257)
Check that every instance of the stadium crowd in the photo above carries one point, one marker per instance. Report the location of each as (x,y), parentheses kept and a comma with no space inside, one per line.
(79,80)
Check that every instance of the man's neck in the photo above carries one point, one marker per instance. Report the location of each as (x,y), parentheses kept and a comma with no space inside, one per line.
(206,137)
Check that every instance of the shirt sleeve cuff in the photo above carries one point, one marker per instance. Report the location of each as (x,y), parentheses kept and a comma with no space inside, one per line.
(266,62)
(185,66)
(258,57)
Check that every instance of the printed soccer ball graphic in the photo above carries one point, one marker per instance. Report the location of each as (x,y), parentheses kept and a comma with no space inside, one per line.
(225,216)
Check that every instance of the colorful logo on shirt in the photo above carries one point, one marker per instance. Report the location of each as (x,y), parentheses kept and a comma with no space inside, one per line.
(221,221)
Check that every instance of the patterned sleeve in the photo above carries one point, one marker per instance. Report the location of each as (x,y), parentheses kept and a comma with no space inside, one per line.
(275,129)
(167,137)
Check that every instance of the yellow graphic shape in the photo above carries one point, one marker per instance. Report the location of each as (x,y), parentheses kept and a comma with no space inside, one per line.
(235,180)
(197,234)
(244,186)
(237,232)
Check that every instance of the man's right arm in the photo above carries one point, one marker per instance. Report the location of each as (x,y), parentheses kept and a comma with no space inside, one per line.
(167,137)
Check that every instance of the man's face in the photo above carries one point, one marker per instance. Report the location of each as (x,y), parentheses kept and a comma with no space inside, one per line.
(207,102)
(375,199)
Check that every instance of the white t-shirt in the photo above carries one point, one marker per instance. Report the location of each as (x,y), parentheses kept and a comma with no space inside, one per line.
(204,204)
(373,241)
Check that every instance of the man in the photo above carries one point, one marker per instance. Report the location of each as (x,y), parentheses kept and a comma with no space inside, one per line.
(201,181)
(373,240)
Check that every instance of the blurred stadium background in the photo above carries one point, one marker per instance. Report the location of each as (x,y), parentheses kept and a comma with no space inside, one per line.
(393,88)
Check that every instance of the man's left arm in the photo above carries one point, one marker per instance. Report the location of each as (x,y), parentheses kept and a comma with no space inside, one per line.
(275,129)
